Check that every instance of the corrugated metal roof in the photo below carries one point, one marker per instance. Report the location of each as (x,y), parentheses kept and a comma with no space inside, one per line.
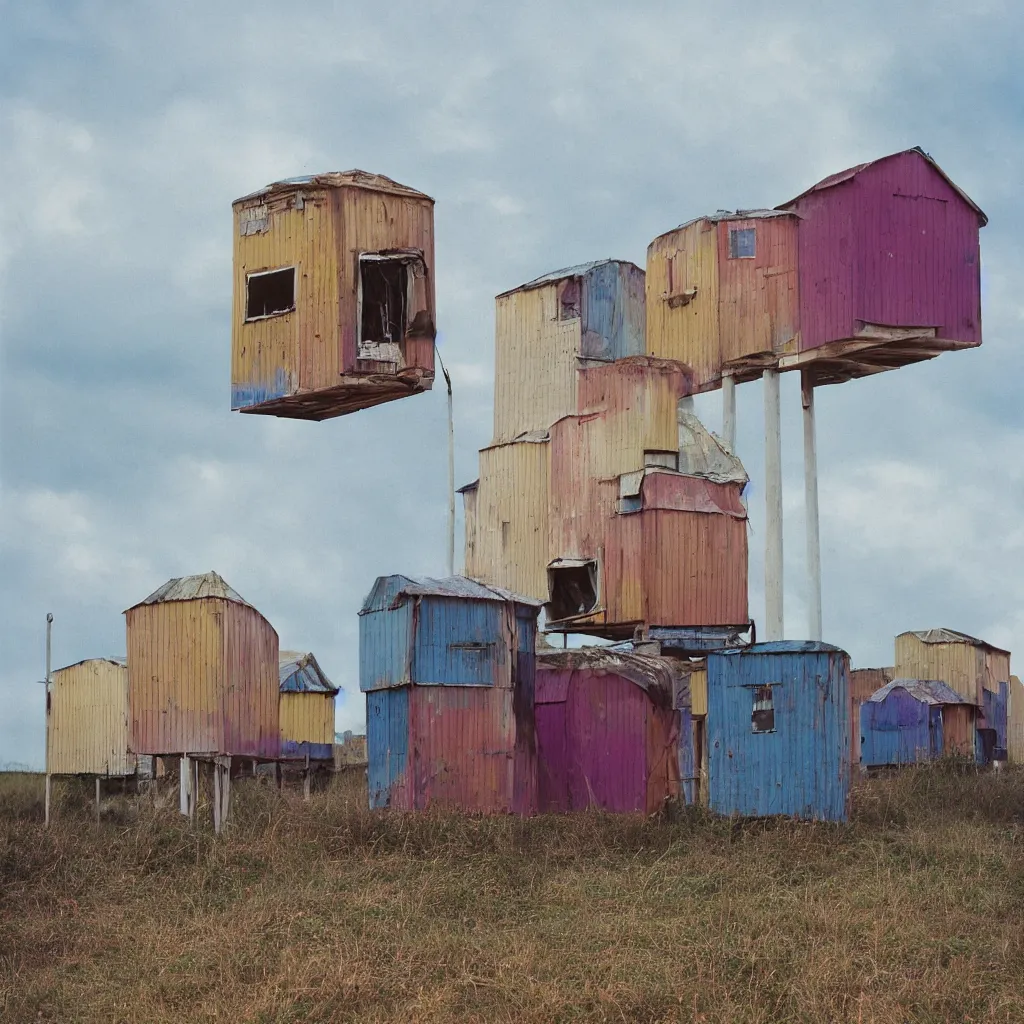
(113,659)
(784,647)
(301,673)
(950,636)
(852,172)
(189,588)
(454,586)
(928,691)
(722,215)
(337,179)
(666,678)
(579,270)
(468,487)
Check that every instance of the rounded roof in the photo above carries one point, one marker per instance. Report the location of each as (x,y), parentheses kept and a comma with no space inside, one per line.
(335,179)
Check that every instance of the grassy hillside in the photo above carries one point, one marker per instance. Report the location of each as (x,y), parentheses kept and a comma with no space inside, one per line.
(328,912)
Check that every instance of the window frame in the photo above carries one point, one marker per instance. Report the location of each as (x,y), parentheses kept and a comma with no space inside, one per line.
(734,254)
(294,268)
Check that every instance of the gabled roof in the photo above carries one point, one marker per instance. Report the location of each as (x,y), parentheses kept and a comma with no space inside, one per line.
(580,270)
(336,179)
(451,586)
(664,679)
(299,672)
(190,588)
(928,691)
(723,215)
(852,172)
(950,636)
(113,660)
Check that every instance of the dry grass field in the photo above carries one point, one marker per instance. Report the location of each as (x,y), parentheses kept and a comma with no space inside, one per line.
(327,912)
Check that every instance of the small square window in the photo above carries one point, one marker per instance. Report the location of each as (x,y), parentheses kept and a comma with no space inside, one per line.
(742,243)
(763,717)
(269,293)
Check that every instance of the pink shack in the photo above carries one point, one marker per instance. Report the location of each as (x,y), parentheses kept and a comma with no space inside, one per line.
(607,730)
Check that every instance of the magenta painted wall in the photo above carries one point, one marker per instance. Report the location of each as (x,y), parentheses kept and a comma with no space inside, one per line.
(894,244)
(601,742)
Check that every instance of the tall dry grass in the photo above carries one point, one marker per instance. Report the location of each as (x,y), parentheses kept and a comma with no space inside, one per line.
(329,912)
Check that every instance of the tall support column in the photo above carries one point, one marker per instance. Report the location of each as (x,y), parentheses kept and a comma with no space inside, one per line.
(185,785)
(46,749)
(729,411)
(811,509)
(774,627)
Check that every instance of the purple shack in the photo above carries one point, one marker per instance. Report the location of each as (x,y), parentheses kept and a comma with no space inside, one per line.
(608,727)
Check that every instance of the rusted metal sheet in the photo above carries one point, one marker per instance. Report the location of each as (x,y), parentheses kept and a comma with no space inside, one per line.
(306,707)
(202,673)
(550,327)
(342,238)
(778,730)
(88,719)
(447,666)
(607,730)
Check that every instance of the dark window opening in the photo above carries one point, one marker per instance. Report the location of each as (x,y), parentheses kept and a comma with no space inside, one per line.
(270,293)
(573,590)
(742,243)
(763,717)
(569,300)
(384,285)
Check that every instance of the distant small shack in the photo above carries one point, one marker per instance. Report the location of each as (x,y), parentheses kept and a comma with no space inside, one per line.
(912,720)
(88,721)
(306,708)
(978,671)
(447,666)
(607,730)
(779,731)
(863,683)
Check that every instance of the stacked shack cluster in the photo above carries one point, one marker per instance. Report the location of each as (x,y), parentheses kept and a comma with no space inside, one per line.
(602,504)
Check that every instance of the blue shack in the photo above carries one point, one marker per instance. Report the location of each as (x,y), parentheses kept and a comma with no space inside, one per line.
(779,730)
(305,708)
(448,670)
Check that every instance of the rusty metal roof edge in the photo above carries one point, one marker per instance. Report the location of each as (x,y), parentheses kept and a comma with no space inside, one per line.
(929,691)
(354,178)
(114,659)
(450,586)
(644,670)
(838,178)
(176,589)
(554,276)
(724,215)
(952,636)
(294,663)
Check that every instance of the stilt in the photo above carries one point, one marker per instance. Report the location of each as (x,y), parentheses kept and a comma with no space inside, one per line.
(185,786)
(46,809)
(97,799)
(216,798)
(305,781)
(811,509)
(773,592)
(278,776)
(729,411)
(46,720)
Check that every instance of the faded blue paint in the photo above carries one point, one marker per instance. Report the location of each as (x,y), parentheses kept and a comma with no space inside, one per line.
(802,768)
(459,642)
(298,749)
(995,719)
(244,396)
(687,762)
(614,311)
(440,633)
(301,673)
(387,742)
(899,729)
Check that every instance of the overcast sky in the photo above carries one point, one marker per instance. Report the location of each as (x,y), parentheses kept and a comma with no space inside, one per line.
(549,134)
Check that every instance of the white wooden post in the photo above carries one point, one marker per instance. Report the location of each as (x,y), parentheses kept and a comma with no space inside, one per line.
(305,781)
(729,411)
(185,786)
(811,509)
(217,823)
(97,799)
(46,751)
(773,595)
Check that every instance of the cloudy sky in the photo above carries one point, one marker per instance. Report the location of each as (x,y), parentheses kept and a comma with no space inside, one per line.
(549,134)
